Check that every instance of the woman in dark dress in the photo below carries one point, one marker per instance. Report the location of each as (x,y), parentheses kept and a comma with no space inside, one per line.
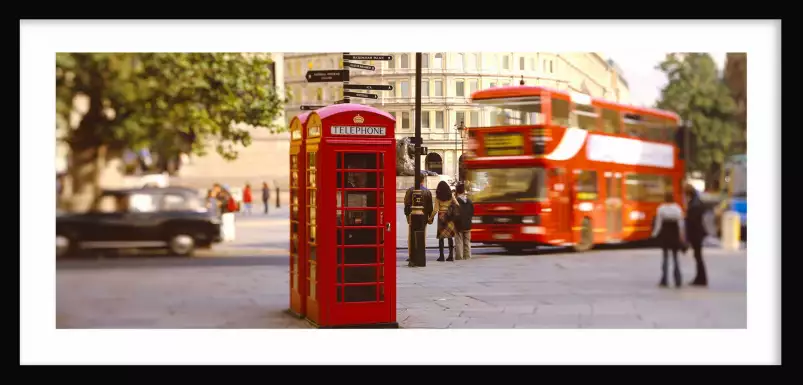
(445,207)
(670,233)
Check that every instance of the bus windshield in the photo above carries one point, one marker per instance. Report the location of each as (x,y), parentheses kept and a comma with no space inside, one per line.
(514,112)
(507,184)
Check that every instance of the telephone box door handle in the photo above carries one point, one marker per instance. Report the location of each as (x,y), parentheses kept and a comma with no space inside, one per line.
(387,226)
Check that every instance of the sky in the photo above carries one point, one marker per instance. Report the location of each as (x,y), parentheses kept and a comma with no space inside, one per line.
(644,80)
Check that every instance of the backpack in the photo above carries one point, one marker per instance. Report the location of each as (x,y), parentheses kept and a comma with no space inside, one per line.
(453,213)
(232,205)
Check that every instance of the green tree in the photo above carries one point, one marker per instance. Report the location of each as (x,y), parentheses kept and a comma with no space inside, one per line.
(697,93)
(144,100)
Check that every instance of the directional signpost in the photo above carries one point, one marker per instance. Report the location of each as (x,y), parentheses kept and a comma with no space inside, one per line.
(360,95)
(324,76)
(331,76)
(358,66)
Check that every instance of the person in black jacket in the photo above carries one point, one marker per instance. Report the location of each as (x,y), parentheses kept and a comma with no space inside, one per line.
(463,223)
(695,232)
(408,209)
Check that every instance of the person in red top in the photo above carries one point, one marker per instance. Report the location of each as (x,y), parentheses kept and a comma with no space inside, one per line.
(247,198)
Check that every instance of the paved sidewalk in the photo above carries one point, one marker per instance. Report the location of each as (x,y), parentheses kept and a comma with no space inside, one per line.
(598,289)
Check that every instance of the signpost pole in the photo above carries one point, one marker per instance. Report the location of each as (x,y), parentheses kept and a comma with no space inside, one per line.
(418,221)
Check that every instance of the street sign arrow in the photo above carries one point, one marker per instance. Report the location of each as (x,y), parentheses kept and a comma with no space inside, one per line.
(360,95)
(359,66)
(311,108)
(367,57)
(322,76)
(367,87)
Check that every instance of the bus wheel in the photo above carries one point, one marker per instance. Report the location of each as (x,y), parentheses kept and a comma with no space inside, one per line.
(586,237)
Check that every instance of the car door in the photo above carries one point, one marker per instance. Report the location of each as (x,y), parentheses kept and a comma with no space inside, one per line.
(106,220)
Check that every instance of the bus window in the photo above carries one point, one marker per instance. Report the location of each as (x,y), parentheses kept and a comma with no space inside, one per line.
(515,113)
(647,187)
(585,117)
(507,184)
(611,121)
(670,128)
(560,112)
(635,126)
(585,186)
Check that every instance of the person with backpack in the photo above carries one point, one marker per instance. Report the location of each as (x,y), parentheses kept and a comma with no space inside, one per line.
(463,223)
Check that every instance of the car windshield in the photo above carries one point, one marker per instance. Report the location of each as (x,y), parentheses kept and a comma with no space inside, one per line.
(507,184)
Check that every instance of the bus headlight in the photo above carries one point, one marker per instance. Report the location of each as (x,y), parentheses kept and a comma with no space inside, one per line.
(532,230)
(476,220)
(528,220)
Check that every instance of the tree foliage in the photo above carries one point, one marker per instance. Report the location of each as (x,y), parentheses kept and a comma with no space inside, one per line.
(139,100)
(696,92)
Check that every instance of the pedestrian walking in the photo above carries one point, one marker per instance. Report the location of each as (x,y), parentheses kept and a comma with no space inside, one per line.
(463,224)
(277,194)
(670,233)
(265,195)
(247,198)
(408,209)
(696,233)
(447,209)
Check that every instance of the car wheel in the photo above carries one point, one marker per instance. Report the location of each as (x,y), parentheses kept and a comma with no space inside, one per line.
(586,237)
(182,244)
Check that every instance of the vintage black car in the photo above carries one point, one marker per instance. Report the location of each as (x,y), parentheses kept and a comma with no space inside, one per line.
(175,218)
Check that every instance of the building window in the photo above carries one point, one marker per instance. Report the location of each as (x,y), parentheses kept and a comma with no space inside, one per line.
(439,88)
(405,89)
(405,120)
(472,62)
(438,63)
(332,64)
(438,119)
(458,64)
(521,63)
(405,61)
(424,119)
(474,119)
(493,84)
(394,89)
(506,62)
(392,62)
(472,86)
(460,117)
(424,60)
(395,119)
(460,88)
(424,88)
(532,64)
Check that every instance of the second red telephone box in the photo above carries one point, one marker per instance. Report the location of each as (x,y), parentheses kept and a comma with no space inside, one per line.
(351,217)
(298,184)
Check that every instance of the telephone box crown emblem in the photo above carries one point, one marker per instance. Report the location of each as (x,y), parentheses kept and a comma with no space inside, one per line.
(359,119)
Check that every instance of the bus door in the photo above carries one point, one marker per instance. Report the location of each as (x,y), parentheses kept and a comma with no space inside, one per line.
(560,204)
(613,205)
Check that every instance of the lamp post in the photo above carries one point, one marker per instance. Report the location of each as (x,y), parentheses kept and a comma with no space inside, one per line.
(460,128)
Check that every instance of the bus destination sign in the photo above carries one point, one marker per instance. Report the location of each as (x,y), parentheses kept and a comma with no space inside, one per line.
(504,144)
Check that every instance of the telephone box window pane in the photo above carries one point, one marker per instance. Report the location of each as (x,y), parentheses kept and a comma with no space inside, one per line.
(339,218)
(339,294)
(359,255)
(381,236)
(339,157)
(381,180)
(311,290)
(311,160)
(294,227)
(360,180)
(311,178)
(294,178)
(312,233)
(339,181)
(294,244)
(360,236)
(381,292)
(381,160)
(358,199)
(381,195)
(294,212)
(294,162)
(360,160)
(382,273)
(360,274)
(312,253)
(360,293)
(339,237)
(360,217)
(339,255)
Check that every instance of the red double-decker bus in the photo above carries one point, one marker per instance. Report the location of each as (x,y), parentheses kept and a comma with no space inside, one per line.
(558,168)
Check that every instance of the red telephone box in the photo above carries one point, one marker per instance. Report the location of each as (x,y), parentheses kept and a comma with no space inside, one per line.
(351,217)
(298,184)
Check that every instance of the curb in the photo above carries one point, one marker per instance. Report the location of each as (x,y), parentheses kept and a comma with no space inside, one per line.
(213,253)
